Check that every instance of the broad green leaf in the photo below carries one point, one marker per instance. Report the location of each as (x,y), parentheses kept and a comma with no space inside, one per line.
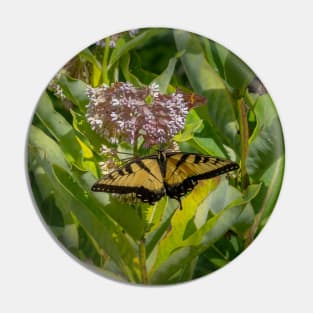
(88,250)
(164,227)
(96,66)
(154,213)
(216,55)
(205,81)
(94,140)
(216,201)
(221,222)
(74,90)
(199,71)
(61,129)
(135,67)
(200,240)
(131,44)
(182,222)
(42,146)
(42,152)
(128,75)
(201,136)
(122,213)
(237,73)
(175,263)
(57,125)
(70,236)
(71,196)
(109,236)
(266,143)
(43,190)
(264,202)
(193,125)
(245,219)
(164,79)
(219,254)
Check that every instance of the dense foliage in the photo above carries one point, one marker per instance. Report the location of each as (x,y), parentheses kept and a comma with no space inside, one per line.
(157,244)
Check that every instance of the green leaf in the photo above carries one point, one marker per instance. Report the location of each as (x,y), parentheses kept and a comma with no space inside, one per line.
(182,222)
(266,142)
(61,130)
(45,198)
(174,264)
(57,125)
(216,55)
(201,136)
(42,146)
(94,140)
(74,90)
(222,221)
(71,196)
(120,212)
(96,66)
(237,73)
(245,219)
(163,226)
(107,233)
(222,252)
(200,73)
(42,152)
(200,240)
(216,201)
(264,202)
(164,79)
(118,52)
(135,67)
(205,81)
(70,236)
(128,75)
(154,213)
(88,250)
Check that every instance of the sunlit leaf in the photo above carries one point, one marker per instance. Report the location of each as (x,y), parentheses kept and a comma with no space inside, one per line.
(205,81)
(75,90)
(266,143)
(203,238)
(131,44)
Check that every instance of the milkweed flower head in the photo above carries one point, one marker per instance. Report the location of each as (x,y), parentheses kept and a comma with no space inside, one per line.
(123,112)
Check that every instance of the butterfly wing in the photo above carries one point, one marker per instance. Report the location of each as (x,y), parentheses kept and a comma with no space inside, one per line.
(183,170)
(141,176)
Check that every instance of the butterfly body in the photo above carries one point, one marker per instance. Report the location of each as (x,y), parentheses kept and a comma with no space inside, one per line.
(166,173)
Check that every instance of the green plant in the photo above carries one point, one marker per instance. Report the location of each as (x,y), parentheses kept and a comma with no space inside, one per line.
(157,244)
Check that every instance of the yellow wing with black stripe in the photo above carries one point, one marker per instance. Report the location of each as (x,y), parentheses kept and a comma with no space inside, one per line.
(184,170)
(141,176)
(171,173)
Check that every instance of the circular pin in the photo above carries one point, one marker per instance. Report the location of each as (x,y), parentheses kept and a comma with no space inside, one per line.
(155,156)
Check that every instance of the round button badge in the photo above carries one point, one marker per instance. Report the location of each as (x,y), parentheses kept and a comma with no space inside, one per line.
(155,156)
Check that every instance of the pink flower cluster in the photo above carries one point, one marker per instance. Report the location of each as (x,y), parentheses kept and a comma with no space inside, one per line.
(123,112)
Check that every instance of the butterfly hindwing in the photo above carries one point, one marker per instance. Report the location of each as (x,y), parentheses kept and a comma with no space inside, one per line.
(141,176)
(183,170)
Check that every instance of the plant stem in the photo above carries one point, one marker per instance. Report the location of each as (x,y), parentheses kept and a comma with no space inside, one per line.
(142,260)
(244,137)
(135,148)
(104,73)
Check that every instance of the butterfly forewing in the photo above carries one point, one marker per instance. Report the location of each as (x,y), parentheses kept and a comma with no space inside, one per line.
(141,176)
(183,170)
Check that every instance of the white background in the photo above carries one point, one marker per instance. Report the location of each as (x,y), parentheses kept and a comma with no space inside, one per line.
(274,38)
